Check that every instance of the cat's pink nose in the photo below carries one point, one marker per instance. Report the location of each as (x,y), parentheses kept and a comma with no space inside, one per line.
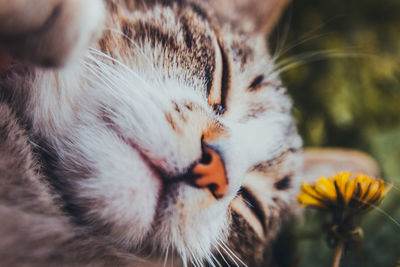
(209,173)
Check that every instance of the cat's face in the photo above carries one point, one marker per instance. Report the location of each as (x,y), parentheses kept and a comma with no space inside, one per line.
(125,126)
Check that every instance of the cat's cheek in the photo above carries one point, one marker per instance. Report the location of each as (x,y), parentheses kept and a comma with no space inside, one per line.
(130,192)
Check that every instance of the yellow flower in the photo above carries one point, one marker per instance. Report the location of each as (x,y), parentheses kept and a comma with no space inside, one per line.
(342,191)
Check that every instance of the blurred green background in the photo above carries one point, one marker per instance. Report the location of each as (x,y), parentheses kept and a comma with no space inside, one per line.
(341,64)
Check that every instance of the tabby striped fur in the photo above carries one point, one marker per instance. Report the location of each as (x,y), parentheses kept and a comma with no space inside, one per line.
(114,128)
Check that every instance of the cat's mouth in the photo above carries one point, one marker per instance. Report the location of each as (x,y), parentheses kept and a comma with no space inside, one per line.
(158,173)
(208,172)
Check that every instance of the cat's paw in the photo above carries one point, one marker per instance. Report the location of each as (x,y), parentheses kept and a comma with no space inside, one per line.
(48,32)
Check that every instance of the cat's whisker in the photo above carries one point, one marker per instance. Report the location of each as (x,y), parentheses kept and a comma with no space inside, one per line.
(106,81)
(222,256)
(184,259)
(166,256)
(124,66)
(215,260)
(280,42)
(393,185)
(112,70)
(307,36)
(111,85)
(133,42)
(172,259)
(99,67)
(97,73)
(293,62)
(201,264)
(198,261)
(109,82)
(193,259)
(116,75)
(206,258)
(276,57)
(210,259)
(307,57)
(193,263)
(228,253)
(138,121)
(232,259)
(383,212)
(233,254)
(282,63)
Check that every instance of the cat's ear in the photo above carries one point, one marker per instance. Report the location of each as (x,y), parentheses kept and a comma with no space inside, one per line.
(249,15)
(328,161)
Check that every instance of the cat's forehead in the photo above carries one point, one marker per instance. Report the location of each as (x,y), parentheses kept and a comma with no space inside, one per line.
(182,38)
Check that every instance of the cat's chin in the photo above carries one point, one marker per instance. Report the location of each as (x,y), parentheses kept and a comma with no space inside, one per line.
(137,208)
(189,222)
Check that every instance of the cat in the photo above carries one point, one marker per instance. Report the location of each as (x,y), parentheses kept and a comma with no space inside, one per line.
(134,132)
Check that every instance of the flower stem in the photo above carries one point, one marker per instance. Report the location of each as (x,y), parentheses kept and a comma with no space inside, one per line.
(338,254)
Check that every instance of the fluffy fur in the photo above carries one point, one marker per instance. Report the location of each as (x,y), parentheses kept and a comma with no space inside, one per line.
(117,127)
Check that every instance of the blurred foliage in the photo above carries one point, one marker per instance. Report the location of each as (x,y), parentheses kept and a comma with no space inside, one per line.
(341,64)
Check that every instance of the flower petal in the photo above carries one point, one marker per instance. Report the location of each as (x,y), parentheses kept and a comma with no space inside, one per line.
(309,189)
(326,188)
(307,200)
(357,194)
(386,188)
(364,182)
(374,189)
(350,188)
(341,181)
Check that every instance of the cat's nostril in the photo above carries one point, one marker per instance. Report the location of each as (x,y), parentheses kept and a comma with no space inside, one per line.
(209,173)
(206,158)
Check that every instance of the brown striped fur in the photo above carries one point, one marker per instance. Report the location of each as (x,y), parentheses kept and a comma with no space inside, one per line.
(217,46)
